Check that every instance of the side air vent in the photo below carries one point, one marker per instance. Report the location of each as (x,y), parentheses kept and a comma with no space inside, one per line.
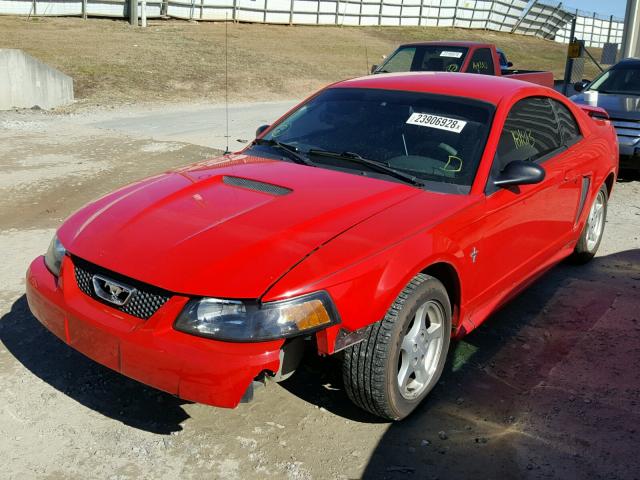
(256,185)
(586,181)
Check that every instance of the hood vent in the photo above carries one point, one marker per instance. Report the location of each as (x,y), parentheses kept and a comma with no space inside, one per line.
(255,185)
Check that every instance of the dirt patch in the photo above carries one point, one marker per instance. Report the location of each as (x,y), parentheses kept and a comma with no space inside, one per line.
(111,62)
(49,167)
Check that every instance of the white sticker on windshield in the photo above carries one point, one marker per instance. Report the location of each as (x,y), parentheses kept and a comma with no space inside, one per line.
(446,53)
(435,121)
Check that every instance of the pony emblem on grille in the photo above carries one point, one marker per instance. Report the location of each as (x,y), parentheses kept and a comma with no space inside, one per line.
(112,291)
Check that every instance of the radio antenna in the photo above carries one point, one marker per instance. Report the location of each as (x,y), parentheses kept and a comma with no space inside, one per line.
(226,81)
(366,58)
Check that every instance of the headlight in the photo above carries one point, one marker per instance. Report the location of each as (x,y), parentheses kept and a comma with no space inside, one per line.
(55,254)
(250,322)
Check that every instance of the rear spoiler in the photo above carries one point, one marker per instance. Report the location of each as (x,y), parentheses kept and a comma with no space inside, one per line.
(595,112)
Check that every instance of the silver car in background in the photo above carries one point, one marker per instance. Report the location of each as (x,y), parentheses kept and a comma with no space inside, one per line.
(617,90)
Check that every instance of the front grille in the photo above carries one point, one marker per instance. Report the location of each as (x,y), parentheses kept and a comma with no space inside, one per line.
(144,302)
(628,130)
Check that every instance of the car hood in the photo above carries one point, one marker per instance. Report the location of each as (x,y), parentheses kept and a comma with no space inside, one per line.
(229,227)
(623,107)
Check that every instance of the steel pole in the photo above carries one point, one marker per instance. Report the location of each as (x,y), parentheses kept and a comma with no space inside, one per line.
(631,33)
(133,12)
(568,65)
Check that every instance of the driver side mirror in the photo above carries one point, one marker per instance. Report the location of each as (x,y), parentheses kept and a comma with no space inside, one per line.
(580,86)
(509,64)
(520,172)
(261,129)
(374,68)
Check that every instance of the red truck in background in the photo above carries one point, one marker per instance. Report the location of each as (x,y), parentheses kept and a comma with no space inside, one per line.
(463,57)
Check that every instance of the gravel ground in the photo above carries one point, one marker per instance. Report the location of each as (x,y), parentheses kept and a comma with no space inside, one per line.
(549,387)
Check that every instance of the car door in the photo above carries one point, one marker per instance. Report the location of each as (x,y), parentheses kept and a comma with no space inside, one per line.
(525,226)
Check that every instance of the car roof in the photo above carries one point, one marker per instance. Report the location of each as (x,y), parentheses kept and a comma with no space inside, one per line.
(449,43)
(628,62)
(486,88)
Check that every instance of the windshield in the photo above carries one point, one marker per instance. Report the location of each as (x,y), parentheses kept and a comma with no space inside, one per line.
(425,58)
(438,139)
(625,81)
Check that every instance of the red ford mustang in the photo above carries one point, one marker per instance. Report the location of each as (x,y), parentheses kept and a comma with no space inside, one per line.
(381,217)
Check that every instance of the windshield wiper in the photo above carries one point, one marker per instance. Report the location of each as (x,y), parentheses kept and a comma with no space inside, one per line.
(291,151)
(380,167)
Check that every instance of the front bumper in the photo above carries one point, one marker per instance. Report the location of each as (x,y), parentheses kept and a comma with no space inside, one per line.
(630,158)
(628,149)
(150,351)
(628,143)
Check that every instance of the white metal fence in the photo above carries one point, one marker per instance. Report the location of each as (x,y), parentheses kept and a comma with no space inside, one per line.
(548,19)
(69,8)
(593,29)
(543,20)
(484,14)
(540,18)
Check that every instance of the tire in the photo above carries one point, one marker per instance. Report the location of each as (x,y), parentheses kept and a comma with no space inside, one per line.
(592,233)
(372,368)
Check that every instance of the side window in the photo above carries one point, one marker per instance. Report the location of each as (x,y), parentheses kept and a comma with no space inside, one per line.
(481,62)
(530,132)
(400,61)
(569,128)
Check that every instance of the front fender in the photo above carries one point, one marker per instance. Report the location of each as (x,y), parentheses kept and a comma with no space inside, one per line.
(366,268)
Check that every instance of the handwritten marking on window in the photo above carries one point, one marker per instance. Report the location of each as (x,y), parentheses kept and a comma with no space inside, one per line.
(523,138)
(479,65)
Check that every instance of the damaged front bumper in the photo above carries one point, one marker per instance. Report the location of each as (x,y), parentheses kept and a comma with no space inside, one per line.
(150,351)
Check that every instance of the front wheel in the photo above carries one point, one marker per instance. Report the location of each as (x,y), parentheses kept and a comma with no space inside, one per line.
(592,233)
(403,355)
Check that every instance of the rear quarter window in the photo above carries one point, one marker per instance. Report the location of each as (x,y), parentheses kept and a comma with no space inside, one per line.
(569,129)
(530,133)
(481,62)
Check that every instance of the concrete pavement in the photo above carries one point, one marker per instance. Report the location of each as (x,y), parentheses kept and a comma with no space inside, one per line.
(198,125)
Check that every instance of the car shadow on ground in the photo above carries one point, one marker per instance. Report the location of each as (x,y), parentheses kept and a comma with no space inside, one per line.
(84,380)
(534,392)
(500,410)
(628,175)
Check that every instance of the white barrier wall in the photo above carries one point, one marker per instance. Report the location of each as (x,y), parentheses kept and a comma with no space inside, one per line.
(491,14)
(551,20)
(70,8)
(593,30)
(546,19)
